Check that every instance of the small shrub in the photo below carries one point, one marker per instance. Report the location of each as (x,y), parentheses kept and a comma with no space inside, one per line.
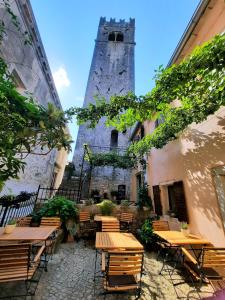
(58,206)
(106,207)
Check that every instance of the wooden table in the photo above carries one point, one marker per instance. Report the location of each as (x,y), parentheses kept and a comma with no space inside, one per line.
(114,240)
(178,238)
(104,218)
(27,233)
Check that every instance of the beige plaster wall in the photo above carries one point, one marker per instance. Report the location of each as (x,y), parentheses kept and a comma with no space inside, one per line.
(192,157)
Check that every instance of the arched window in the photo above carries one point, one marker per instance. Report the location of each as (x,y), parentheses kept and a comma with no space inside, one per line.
(115,36)
(112,37)
(114,139)
(119,37)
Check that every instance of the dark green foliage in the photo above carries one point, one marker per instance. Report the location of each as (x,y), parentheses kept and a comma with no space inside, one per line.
(147,234)
(143,197)
(58,206)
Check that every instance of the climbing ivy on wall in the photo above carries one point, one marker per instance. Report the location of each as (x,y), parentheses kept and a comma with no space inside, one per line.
(198,82)
(122,161)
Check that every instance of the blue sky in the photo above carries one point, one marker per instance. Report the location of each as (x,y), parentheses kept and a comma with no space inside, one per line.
(68,30)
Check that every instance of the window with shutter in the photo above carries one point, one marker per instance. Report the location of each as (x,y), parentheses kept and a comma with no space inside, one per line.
(157,200)
(180,201)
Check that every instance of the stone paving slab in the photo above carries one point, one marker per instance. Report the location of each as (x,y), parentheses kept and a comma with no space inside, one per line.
(71,272)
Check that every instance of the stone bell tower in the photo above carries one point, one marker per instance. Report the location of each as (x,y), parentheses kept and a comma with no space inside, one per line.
(111,73)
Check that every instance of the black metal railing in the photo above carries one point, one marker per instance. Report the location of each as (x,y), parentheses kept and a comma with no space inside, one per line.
(44,194)
(16,208)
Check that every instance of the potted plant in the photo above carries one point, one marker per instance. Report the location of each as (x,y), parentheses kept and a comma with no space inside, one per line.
(10,226)
(147,235)
(60,206)
(184,228)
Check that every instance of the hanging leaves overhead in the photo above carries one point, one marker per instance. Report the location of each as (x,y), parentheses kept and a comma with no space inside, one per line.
(199,84)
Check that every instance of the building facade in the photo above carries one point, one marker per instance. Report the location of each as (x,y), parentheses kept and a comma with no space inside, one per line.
(29,67)
(111,73)
(186,177)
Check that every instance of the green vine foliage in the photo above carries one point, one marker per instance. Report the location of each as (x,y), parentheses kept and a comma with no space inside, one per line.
(198,82)
(113,159)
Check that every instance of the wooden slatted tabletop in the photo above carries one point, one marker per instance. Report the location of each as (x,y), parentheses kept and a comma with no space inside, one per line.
(178,238)
(98,218)
(115,240)
(27,233)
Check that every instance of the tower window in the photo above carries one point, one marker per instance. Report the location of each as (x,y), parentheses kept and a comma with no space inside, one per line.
(112,37)
(115,36)
(114,139)
(119,37)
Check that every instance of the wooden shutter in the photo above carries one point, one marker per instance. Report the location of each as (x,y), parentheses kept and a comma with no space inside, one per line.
(157,200)
(180,201)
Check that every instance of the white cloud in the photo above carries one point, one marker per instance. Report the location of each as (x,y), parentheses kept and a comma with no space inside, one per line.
(61,78)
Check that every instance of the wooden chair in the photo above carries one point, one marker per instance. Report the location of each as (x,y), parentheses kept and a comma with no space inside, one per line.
(84,216)
(123,271)
(208,266)
(126,219)
(51,221)
(160,225)
(23,222)
(87,227)
(17,263)
(111,226)
(166,250)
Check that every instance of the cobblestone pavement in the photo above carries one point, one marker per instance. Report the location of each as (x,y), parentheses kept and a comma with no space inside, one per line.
(70,277)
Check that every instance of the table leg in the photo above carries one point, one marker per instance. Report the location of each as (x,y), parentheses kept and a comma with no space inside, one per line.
(45,262)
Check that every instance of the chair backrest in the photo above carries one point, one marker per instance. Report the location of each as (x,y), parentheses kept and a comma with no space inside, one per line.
(14,262)
(126,217)
(125,262)
(213,257)
(24,222)
(51,221)
(84,216)
(110,226)
(160,225)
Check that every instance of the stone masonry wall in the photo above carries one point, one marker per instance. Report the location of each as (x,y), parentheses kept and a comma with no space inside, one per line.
(111,73)
(29,65)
